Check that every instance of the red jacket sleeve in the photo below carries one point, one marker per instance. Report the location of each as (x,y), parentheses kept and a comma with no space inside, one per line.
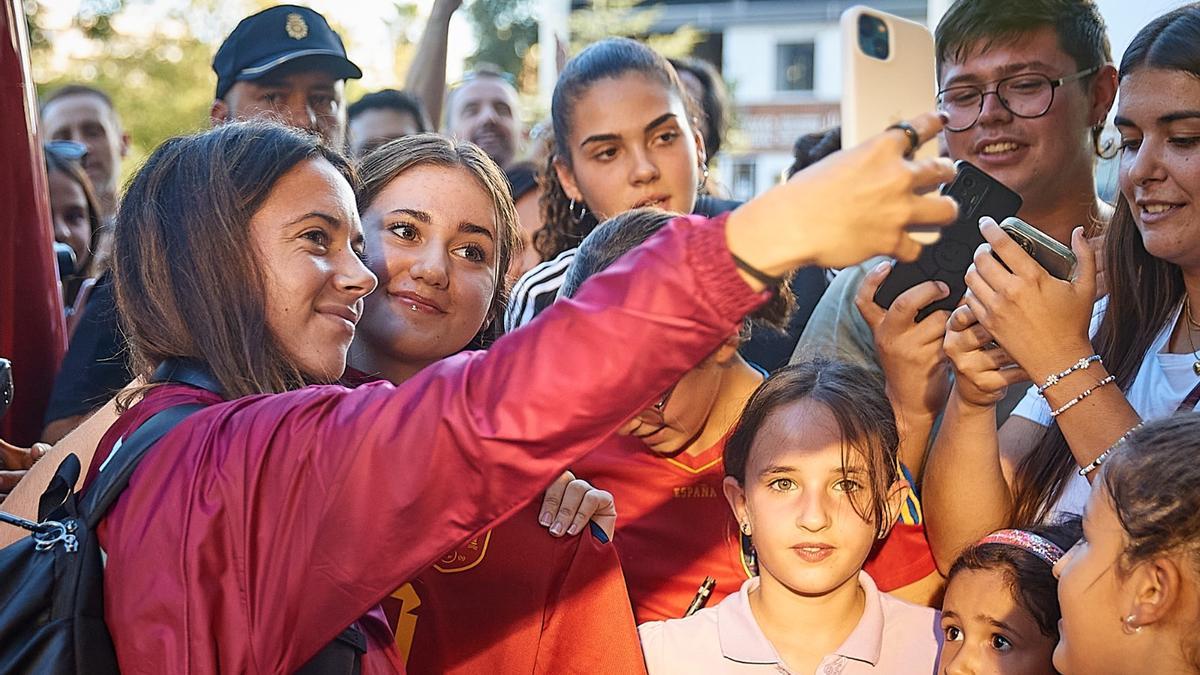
(330,498)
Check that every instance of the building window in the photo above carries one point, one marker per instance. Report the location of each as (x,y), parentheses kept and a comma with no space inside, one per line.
(744,180)
(794,66)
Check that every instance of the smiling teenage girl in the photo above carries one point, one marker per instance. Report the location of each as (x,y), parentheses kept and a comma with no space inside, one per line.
(440,229)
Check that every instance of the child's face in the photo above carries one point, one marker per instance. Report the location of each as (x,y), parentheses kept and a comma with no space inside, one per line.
(1094,594)
(986,631)
(796,498)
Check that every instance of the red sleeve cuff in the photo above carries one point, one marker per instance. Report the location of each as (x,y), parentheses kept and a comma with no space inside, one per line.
(717,278)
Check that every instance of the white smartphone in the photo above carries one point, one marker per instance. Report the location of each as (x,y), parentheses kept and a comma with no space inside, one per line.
(889,74)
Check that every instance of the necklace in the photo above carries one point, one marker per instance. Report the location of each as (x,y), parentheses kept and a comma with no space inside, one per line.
(1187,310)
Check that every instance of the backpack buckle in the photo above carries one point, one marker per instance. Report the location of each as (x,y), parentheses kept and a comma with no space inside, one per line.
(52,532)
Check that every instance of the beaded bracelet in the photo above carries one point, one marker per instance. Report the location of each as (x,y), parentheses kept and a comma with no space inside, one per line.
(1095,463)
(1086,393)
(1081,364)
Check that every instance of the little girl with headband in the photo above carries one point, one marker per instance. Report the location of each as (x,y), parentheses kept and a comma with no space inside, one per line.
(1001,612)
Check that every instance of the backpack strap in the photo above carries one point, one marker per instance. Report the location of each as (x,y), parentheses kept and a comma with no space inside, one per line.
(125,459)
(60,487)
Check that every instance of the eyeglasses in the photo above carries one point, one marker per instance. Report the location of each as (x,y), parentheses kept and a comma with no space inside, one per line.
(68,150)
(1028,95)
(661,405)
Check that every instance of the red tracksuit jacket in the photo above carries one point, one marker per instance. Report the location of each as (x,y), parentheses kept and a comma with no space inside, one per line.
(259,528)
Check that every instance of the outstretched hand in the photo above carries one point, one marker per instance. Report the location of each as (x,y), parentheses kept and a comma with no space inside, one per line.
(848,207)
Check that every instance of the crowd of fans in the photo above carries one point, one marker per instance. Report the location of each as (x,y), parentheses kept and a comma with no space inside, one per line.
(491,401)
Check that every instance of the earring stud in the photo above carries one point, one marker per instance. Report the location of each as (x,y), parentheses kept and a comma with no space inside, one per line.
(1128,627)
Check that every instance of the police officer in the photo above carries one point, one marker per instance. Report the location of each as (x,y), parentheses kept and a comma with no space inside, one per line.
(284,63)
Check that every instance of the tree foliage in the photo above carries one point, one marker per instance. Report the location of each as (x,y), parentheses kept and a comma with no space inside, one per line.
(506,30)
(160,81)
(507,33)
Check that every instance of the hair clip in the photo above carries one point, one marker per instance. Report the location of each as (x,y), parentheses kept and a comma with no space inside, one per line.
(1028,541)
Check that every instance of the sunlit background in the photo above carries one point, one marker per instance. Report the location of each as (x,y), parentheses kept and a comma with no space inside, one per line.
(781,58)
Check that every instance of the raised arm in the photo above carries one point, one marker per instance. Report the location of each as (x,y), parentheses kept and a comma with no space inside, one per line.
(414,470)
(426,77)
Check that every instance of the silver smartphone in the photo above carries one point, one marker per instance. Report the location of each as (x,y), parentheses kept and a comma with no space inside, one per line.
(1055,258)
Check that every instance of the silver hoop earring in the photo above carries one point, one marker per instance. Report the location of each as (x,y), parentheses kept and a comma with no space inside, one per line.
(582,211)
(703,178)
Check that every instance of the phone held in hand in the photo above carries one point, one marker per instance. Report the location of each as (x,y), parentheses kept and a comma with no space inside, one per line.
(978,195)
(889,74)
(1055,258)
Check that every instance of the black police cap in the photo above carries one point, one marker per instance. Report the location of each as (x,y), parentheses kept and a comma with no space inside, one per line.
(262,42)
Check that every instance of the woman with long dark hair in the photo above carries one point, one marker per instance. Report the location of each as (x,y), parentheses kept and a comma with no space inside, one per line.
(1139,358)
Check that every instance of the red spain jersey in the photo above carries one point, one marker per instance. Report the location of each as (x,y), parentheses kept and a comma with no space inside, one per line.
(674,527)
(516,600)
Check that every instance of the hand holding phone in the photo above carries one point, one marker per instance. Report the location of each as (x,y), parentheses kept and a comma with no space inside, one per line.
(1055,258)
(978,195)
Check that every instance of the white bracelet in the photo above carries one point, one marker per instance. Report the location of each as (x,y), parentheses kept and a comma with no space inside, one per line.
(1081,364)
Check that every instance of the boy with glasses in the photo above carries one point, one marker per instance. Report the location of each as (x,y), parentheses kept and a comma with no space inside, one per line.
(1026,85)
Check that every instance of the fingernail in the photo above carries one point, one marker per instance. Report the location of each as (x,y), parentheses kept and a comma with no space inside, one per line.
(573,529)
(943,287)
(544,519)
(556,529)
(882,266)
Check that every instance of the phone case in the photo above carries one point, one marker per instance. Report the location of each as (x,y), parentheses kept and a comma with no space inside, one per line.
(1055,258)
(878,93)
(978,195)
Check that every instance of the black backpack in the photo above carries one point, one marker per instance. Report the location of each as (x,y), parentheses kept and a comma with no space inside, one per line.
(51,582)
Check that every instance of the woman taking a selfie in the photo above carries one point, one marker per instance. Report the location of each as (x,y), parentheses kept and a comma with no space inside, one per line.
(238,249)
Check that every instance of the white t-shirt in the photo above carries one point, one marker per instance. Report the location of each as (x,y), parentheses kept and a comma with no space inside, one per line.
(1161,384)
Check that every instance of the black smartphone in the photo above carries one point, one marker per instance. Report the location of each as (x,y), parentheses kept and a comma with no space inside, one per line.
(978,195)
(6,386)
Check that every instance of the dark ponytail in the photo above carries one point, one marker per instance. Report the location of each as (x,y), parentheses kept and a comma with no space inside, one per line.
(607,59)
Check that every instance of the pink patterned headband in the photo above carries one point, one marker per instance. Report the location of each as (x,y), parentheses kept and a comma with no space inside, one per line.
(1028,541)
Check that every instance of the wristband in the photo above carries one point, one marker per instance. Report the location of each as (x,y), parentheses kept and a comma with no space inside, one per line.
(1086,393)
(772,283)
(1081,364)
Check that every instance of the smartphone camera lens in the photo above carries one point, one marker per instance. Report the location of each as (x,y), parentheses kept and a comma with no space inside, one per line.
(873,38)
